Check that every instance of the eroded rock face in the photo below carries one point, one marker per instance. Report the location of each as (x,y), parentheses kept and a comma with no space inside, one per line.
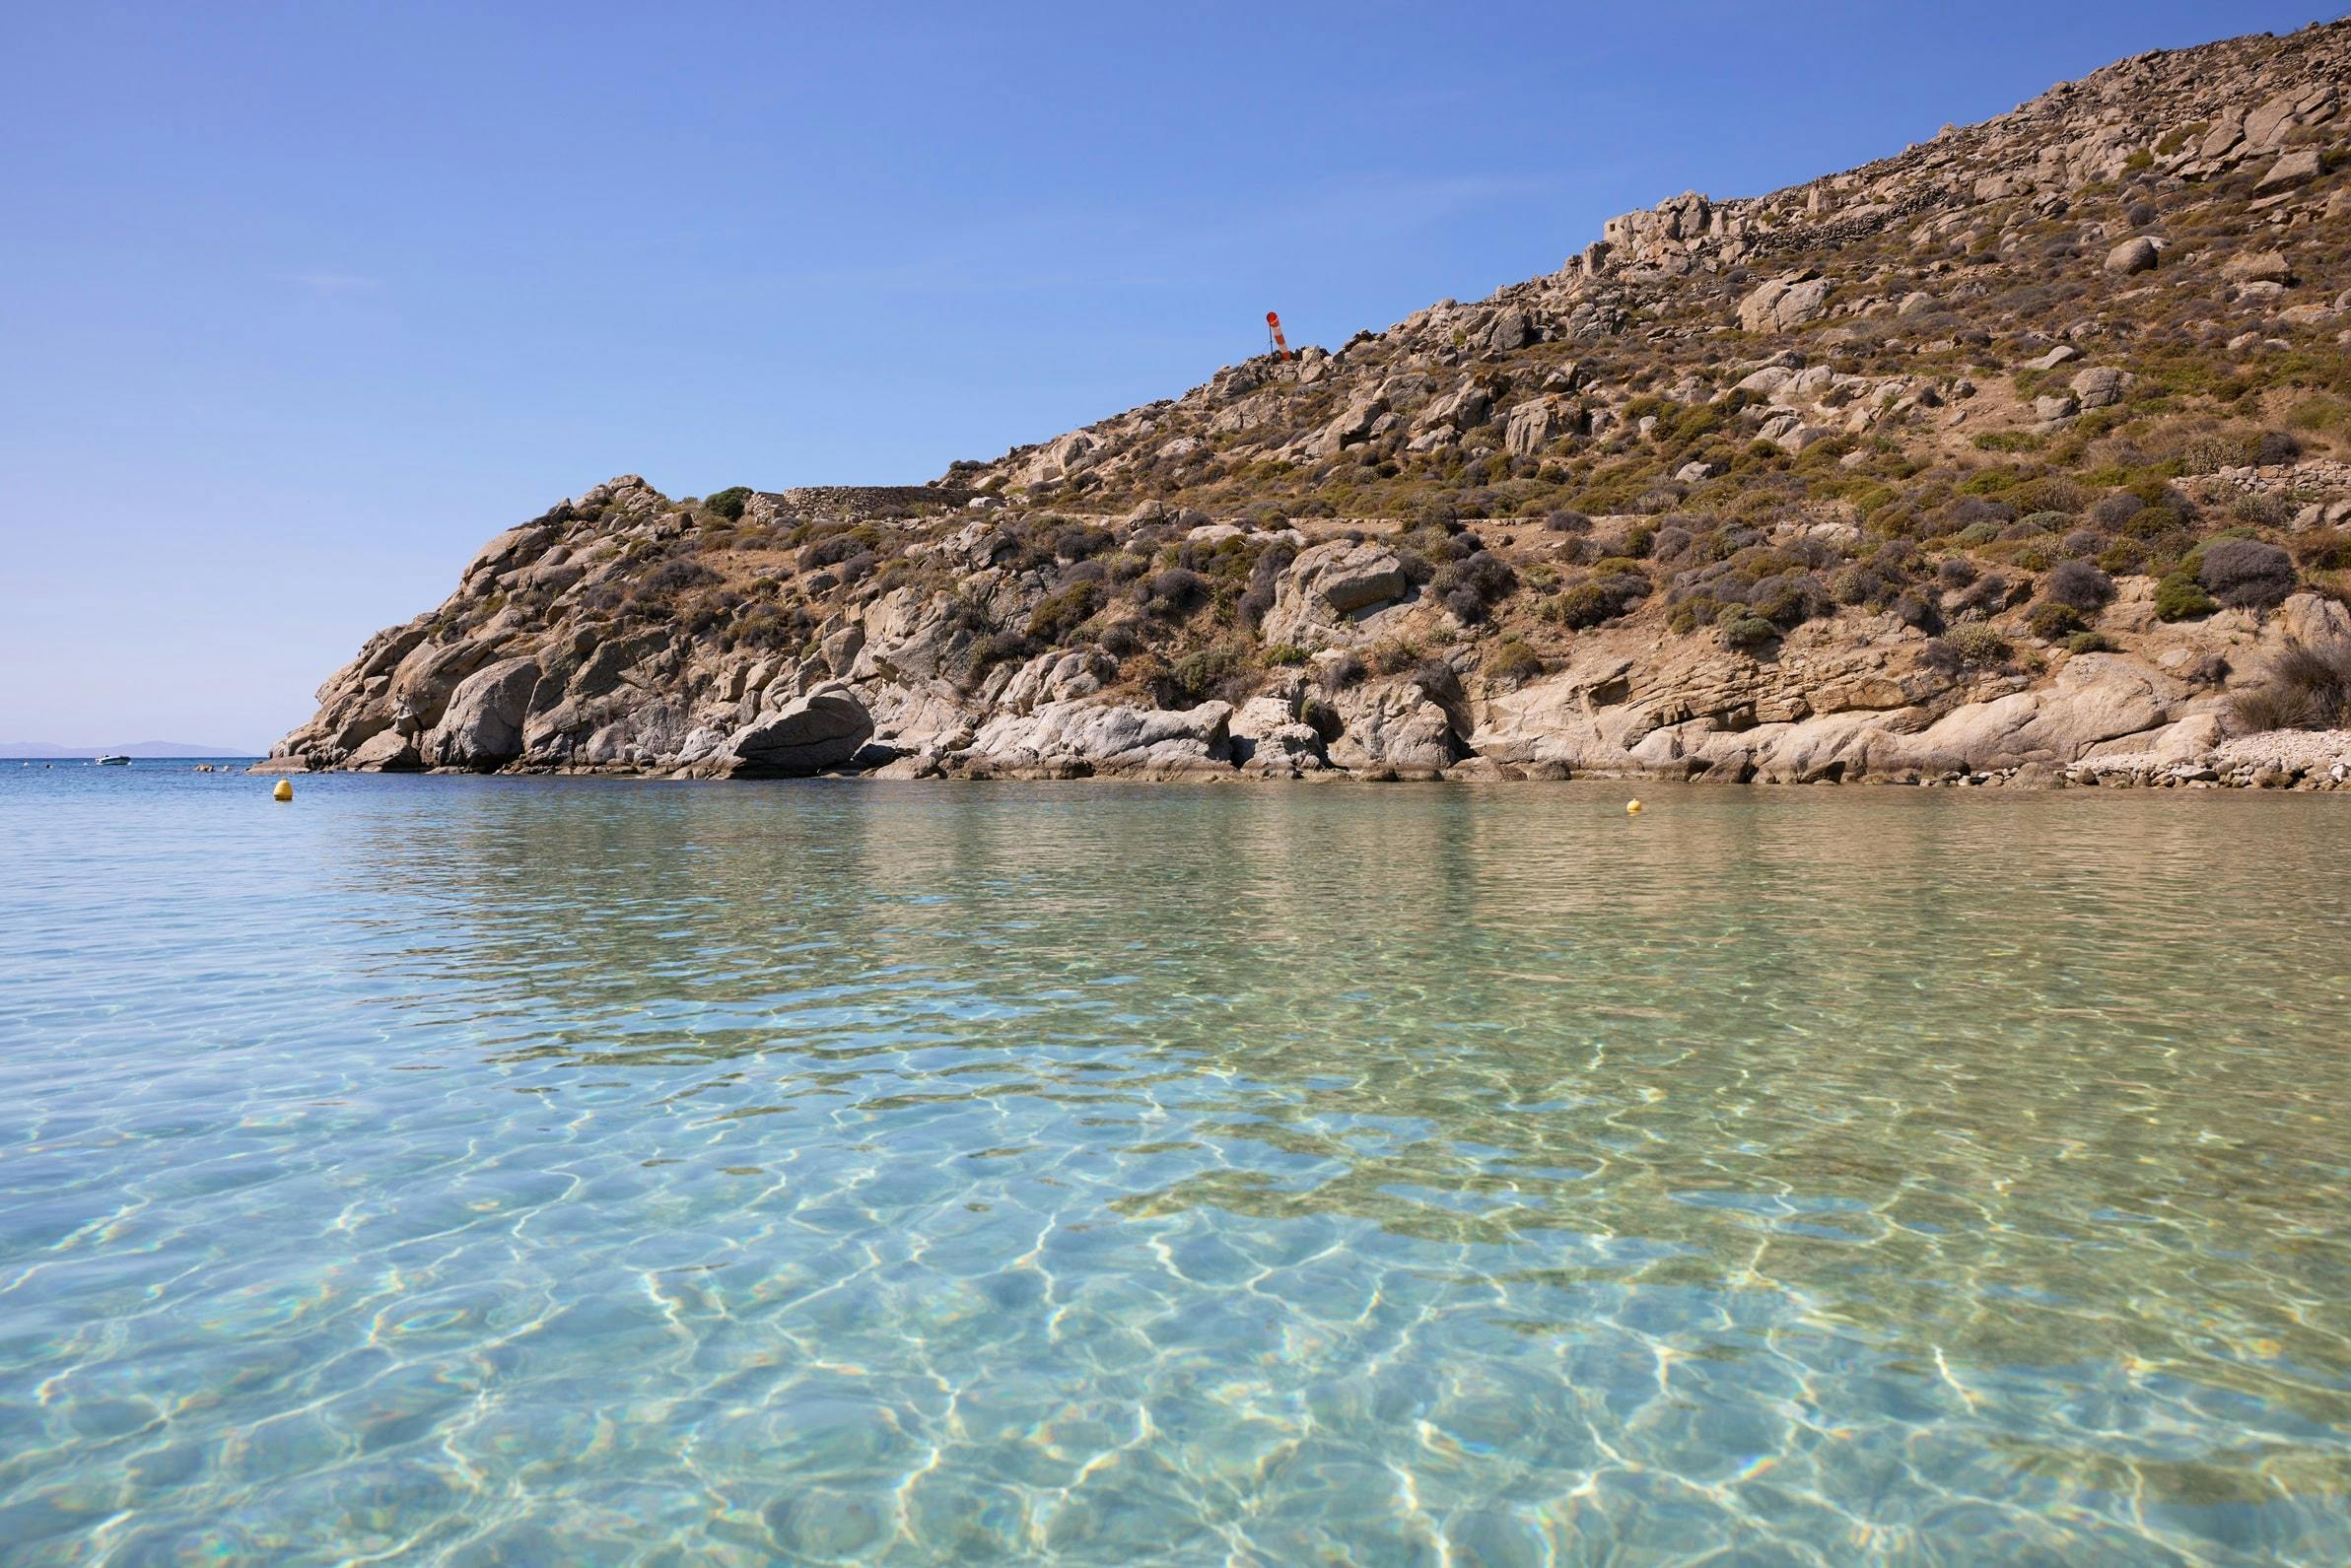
(1394,728)
(1843,698)
(1352,425)
(1329,583)
(388,752)
(1073,739)
(1270,738)
(2095,697)
(483,724)
(1533,423)
(808,736)
(1784,303)
(422,682)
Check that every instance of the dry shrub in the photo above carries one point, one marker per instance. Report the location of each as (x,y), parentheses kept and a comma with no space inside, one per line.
(2305,686)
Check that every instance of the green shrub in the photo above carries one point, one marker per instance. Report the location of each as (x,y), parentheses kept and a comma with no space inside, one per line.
(2207,455)
(1748,634)
(2263,510)
(2050,621)
(727,503)
(1582,605)
(2091,643)
(1061,613)
(997,648)
(2122,557)
(2181,597)
(1977,643)
(1512,660)
(1198,675)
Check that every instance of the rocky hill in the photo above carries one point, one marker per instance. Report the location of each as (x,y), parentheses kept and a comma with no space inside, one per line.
(2020,453)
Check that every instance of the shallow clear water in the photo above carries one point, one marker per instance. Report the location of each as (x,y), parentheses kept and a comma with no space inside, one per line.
(495,1170)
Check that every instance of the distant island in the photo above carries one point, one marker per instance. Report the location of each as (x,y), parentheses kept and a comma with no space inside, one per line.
(2019,457)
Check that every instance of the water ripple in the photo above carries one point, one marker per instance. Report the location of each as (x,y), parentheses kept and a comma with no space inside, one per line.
(461,1171)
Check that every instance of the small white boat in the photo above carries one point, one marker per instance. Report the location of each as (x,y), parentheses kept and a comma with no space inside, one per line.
(113,760)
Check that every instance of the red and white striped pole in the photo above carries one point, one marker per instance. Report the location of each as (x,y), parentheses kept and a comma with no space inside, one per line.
(1274,326)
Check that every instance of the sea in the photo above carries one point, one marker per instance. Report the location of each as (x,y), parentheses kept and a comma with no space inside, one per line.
(486,1171)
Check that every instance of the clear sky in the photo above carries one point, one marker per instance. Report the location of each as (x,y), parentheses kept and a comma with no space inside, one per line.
(299,304)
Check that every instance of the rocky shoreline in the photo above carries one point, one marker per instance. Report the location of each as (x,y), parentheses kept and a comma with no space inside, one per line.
(891,686)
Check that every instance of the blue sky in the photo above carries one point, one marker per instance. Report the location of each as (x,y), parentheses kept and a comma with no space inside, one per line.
(299,304)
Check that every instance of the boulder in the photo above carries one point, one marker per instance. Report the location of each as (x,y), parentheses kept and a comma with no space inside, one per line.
(1060,457)
(1268,737)
(807,735)
(389,752)
(1783,302)
(2258,266)
(1055,677)
(1353,426)
(1768,380)
(1261,716)
(2227,131)
(1394,726)
(483,724)
(2099,387)
(841,647)
(1355,575)
(2292,170)
(2096,697)
(1073,739)
(1330,582)
(2139,254)
(700,745)
(1532,424)
(509,550)
(1510,332)
(2264,125)
(1464,408)
(381,654)
(423,680)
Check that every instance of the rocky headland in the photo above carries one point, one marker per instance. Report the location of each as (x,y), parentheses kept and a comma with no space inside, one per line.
(2017,458)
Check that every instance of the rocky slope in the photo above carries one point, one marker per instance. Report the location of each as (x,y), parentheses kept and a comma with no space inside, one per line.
(2017,454)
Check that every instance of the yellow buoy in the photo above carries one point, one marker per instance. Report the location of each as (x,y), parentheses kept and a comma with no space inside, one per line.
(284,790)
(1632,808)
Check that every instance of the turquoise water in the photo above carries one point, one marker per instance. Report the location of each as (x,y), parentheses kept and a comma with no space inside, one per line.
(472,1170)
